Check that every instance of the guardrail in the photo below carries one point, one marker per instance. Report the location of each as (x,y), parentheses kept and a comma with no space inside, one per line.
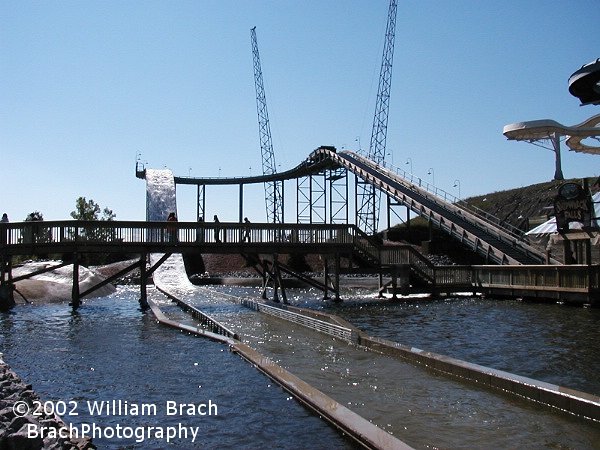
(451,198)
(141,232)
(206,320)
(337,331)
(572,278)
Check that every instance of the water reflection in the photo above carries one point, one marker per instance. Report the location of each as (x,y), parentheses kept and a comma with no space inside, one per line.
(110,350)
(406,400)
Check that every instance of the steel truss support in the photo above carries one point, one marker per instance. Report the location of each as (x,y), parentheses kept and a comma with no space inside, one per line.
(312,198)
(201,203)
(364,199)
(391,203)
(368,211)
(273,189)
(338,196)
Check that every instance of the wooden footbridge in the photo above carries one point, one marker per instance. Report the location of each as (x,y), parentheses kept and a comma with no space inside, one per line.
(401,268)
(520,272)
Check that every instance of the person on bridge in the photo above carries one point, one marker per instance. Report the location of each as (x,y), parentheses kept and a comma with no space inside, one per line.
(246,236)
(4,218)
(217,229)
(171,228)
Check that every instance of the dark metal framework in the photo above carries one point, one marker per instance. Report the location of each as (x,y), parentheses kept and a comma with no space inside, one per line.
(312,198)
(201,203)
(368,211)
(338,195)
(273,189)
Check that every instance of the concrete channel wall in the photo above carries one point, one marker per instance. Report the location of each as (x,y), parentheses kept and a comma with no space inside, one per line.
(348,422)
(570,400)
(575,402)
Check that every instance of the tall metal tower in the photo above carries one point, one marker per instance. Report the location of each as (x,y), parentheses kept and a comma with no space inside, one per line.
(367,214)
(273,189)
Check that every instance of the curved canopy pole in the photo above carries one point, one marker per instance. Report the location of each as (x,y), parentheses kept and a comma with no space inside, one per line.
(537,132)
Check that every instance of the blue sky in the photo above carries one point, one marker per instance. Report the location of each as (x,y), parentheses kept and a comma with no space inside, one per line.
(86,85)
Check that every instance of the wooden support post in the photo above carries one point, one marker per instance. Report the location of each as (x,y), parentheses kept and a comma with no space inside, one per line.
(278,281)
(7,299)
(394,281)
(337,278)
(380,283)
(265,277)
(75,300)
(326,278)
(143,283)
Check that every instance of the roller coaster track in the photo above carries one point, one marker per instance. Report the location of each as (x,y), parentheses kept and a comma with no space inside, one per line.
(484,235)
(487,235)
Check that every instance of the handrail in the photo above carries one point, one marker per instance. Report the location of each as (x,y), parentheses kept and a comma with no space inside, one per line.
(72,231)
(449,198)
(569,278)
(507,235)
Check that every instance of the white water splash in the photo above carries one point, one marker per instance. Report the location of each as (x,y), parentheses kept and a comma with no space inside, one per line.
(56,285)
(160,201)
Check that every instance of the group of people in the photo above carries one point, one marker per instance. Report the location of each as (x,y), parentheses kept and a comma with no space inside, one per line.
(245,235)
(172,230)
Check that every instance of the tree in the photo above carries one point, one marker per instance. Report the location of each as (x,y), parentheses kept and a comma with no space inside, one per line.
(35,232)
(34,216)
(90,210)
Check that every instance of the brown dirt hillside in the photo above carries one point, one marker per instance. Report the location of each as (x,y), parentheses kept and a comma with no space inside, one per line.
(524,207)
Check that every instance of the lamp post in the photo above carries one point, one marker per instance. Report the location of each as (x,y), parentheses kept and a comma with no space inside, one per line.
(409,161)
(390,153)
(432,173)
(457,184)
(359,147)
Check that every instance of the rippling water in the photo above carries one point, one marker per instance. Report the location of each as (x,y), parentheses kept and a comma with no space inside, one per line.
(424,409)
(110,350)
(549,342)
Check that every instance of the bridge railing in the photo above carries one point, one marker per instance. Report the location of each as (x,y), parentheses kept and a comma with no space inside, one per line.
(447,197)
(405,254)
(49,233)
(570,278)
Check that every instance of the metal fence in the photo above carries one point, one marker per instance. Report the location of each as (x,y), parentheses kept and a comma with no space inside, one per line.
(337,331)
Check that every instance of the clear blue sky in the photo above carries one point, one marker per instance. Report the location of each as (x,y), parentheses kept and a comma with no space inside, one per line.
(86,85)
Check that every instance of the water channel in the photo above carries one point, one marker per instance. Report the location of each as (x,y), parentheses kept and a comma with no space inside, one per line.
(110,350)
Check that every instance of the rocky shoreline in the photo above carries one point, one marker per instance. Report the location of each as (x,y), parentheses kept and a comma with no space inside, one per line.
(17,398)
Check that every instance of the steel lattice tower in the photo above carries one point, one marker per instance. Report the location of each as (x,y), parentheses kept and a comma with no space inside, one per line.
(367,214)
(273,189)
